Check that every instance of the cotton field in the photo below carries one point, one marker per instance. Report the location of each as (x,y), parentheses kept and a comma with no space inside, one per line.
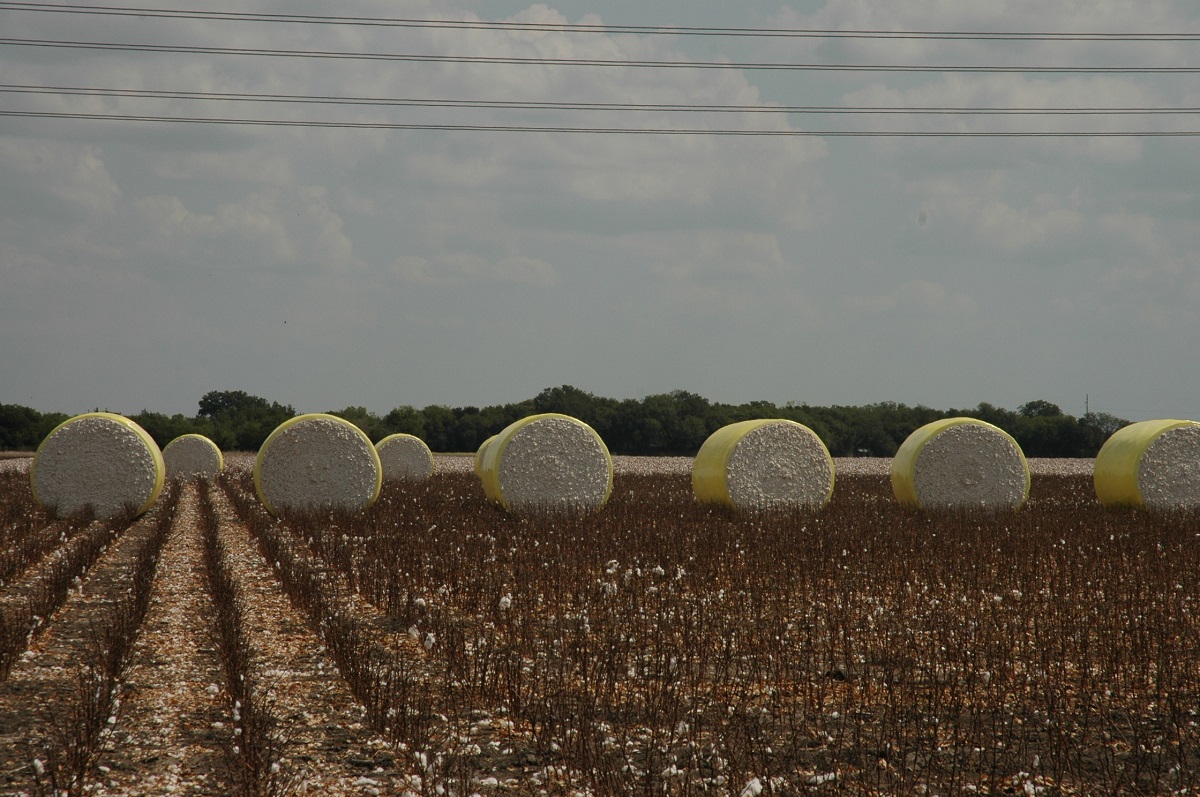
(434,643)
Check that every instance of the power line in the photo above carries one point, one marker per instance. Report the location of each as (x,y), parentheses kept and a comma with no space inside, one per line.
(318,99)
(601,62)
(669,30)
(493,128)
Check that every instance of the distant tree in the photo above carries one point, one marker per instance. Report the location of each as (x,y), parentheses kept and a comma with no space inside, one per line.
(1005,419)
(220,404)
(567,400)
(1039,409)
(499,416)
(1100,426)
(1102,423)
(164,429)
(672,423)
(599,413)
(471,429)
(405,420)
(241,421)
(1053,436)
(675,423)
(20,428)
(440,428)
(47,424)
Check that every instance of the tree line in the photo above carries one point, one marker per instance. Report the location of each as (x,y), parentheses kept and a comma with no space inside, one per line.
(675,423)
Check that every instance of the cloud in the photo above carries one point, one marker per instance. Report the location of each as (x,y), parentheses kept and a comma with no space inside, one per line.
(461,268)
(980,202)
(246,166)
(915,298)
(75,177)
(1021,91)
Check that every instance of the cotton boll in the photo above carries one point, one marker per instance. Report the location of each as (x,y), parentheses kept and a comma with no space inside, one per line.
(752,789)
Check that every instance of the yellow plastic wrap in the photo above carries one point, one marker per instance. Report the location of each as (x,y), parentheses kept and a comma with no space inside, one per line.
(299,419)
(479,456)
(1117,470)
(491,455)
(152,448)
(710,470)
(904,464)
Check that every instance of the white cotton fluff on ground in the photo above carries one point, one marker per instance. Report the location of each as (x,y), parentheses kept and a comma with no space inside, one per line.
(547,462)
(100,459)
(405,457)
(1169,472)
(317,461)
(776,465)
(192,455)
(967,465)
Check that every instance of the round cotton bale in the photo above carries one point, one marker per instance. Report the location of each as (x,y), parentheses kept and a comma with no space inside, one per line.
(317,461)
(1152,465)
(405,457)
(547,462)
(479,456)
(960,463)
(763,464)
(101,459)
(192,455)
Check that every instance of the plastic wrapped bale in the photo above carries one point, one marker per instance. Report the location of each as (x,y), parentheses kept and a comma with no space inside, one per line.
(960,463)
(405,457)
(547,462)
(192,455)
(1151,465)
(479,456)
(99,459)
(317,461)
(764,464)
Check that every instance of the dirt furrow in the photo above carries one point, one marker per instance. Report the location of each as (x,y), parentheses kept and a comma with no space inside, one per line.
(326,743)
(44,682)
(42,589)
(169,735)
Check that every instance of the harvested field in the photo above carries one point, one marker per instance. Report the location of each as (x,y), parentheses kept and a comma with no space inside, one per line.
(435,644)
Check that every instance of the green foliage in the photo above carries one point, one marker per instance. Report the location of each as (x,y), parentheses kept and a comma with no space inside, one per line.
(675,423)
(1040,409)
(241,422)
(165,429)
(19,427)
(405,420)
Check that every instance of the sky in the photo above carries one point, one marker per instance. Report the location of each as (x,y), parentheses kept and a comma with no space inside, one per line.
(146,263)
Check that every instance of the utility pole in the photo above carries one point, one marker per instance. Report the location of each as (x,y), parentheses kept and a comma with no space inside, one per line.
(1085,404)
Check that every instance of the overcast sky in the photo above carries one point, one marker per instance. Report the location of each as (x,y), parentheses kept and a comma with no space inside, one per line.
(143,264)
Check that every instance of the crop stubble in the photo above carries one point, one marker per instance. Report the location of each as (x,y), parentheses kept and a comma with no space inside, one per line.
(656,646)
